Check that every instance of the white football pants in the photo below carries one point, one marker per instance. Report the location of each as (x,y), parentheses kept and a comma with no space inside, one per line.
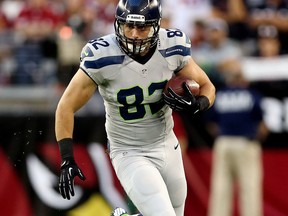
(153,177)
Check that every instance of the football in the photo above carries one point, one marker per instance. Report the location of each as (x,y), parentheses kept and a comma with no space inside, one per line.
(176,84)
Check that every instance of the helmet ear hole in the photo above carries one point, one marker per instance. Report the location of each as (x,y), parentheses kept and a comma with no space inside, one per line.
(141,12)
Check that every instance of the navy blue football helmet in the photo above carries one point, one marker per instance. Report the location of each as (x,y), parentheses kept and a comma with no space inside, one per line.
(138,13)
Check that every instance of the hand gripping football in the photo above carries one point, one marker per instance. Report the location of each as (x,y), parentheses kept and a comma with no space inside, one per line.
(176,84)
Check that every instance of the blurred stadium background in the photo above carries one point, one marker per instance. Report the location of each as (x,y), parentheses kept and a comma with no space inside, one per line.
(40,45)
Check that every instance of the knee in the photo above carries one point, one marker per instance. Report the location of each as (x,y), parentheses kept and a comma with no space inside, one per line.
(178,193)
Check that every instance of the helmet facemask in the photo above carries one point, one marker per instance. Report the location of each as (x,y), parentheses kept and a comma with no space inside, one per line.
(137,47)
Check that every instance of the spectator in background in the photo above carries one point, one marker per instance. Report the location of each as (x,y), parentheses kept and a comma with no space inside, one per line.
(234,13)
(267,67)
(104,23)
(199,36)
(36,56)
(183,13)
(271,12)
(7,42)
(73,34)
(236,122)
(79,16)
(268,43)
(218,51)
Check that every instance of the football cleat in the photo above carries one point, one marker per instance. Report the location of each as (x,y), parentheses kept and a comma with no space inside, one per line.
(119,212)
(122,212)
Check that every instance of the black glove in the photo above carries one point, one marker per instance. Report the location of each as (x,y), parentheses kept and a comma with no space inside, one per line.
(69,170)
(188,102)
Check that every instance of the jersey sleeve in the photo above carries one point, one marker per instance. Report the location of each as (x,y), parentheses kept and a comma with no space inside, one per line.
(100,58)
(88,63)
(175,47)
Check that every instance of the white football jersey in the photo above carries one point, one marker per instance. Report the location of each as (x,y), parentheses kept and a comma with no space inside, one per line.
(132,92)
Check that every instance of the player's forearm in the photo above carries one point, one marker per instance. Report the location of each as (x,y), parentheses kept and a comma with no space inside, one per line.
(208,90)
(64,123)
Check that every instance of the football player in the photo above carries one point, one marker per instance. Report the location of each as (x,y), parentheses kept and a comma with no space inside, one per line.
(130,69)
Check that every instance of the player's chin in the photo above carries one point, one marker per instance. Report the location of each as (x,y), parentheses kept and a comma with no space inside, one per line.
(144,52)
(139,50)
